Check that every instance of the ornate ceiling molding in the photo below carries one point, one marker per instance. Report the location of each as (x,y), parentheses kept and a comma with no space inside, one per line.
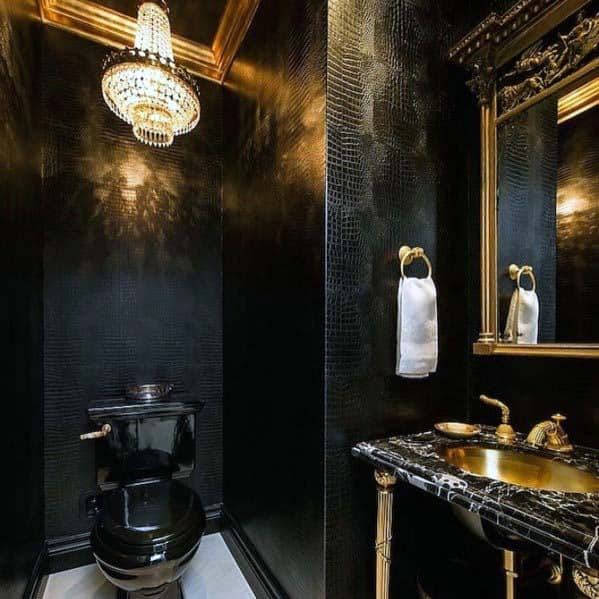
(111,28)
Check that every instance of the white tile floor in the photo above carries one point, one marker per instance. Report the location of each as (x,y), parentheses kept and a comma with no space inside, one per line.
(213,574)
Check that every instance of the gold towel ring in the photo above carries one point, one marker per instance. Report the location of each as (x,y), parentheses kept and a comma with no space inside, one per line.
(516,273)
(407,256)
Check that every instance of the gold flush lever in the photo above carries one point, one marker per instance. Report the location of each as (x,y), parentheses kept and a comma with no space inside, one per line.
(504,431)
(103,432)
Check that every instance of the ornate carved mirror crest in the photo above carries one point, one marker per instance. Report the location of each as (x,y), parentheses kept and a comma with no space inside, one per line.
(535,73)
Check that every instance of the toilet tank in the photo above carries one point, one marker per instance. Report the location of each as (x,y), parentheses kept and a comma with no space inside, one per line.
(148,440)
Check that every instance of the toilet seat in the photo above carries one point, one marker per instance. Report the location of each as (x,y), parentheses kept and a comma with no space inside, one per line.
(146,524)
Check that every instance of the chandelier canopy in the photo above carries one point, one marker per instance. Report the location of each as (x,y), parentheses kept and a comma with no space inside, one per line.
(144,86)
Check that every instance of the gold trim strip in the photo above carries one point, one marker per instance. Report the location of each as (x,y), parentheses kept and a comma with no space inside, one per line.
(548,350)
(577,101)
(235,22)
(25,8)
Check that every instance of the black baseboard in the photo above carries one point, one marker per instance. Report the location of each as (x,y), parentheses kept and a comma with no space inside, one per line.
(68,552)
(261,580)
(35,585)
(214,516)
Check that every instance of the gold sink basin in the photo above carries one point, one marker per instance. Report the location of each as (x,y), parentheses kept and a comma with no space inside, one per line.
(523,469)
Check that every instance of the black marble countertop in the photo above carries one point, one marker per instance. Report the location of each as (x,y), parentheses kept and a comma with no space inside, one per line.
(563,523)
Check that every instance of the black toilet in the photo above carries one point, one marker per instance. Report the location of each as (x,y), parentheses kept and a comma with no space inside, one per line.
(149,524)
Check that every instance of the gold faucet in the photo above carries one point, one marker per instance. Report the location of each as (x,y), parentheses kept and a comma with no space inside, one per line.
(504,431)
(550,435)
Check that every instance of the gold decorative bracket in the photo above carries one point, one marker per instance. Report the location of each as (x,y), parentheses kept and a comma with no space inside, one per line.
(482,84)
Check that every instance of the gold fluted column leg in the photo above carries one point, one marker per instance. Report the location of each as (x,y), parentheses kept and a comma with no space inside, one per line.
(384,522)
(509,567)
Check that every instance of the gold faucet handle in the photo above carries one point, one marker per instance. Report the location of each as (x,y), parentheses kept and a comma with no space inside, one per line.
(557,440)
(103,432)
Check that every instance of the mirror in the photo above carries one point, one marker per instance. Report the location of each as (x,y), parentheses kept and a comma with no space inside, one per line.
(535,72)
(548,219)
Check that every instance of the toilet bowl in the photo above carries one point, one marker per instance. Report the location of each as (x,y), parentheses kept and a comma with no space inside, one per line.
(146,534)
(149,524)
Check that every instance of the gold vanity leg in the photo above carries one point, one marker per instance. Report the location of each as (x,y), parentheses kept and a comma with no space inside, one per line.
(509,566)
(384,521)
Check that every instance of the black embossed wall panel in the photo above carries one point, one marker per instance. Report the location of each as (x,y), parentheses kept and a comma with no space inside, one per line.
(274,173)
(21,532)
(132,270)
(394,177)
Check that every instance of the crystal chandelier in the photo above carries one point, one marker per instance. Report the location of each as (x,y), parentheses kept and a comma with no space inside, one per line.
(143,85)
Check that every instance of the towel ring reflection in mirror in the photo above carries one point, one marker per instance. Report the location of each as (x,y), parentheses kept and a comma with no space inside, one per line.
(407,255)
(516,273)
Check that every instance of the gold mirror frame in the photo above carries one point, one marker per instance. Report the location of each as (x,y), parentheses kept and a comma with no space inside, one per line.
(497,40)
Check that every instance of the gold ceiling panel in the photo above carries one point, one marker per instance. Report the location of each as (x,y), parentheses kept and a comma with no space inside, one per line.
(112,28)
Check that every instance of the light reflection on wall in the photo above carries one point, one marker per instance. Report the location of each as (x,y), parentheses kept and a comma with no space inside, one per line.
(570,202)
(303,154)
(135,194)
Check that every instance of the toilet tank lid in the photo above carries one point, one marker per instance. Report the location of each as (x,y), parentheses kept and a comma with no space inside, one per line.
(173,405)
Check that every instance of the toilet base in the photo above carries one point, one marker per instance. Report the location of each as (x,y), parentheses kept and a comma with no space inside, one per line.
(170,591)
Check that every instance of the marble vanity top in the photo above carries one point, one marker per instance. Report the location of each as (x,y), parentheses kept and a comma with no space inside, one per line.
(564,523)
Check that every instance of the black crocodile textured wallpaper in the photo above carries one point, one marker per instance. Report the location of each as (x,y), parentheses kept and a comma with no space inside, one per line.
(274,173)
(527,163)
(395,176)
(132,270)
(21,532)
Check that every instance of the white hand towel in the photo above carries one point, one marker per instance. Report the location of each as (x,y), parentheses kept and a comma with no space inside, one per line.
(417,344)
(522,324)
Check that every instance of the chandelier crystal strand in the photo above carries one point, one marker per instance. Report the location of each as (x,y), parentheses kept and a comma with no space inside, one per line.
(146,88)
(154,30)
